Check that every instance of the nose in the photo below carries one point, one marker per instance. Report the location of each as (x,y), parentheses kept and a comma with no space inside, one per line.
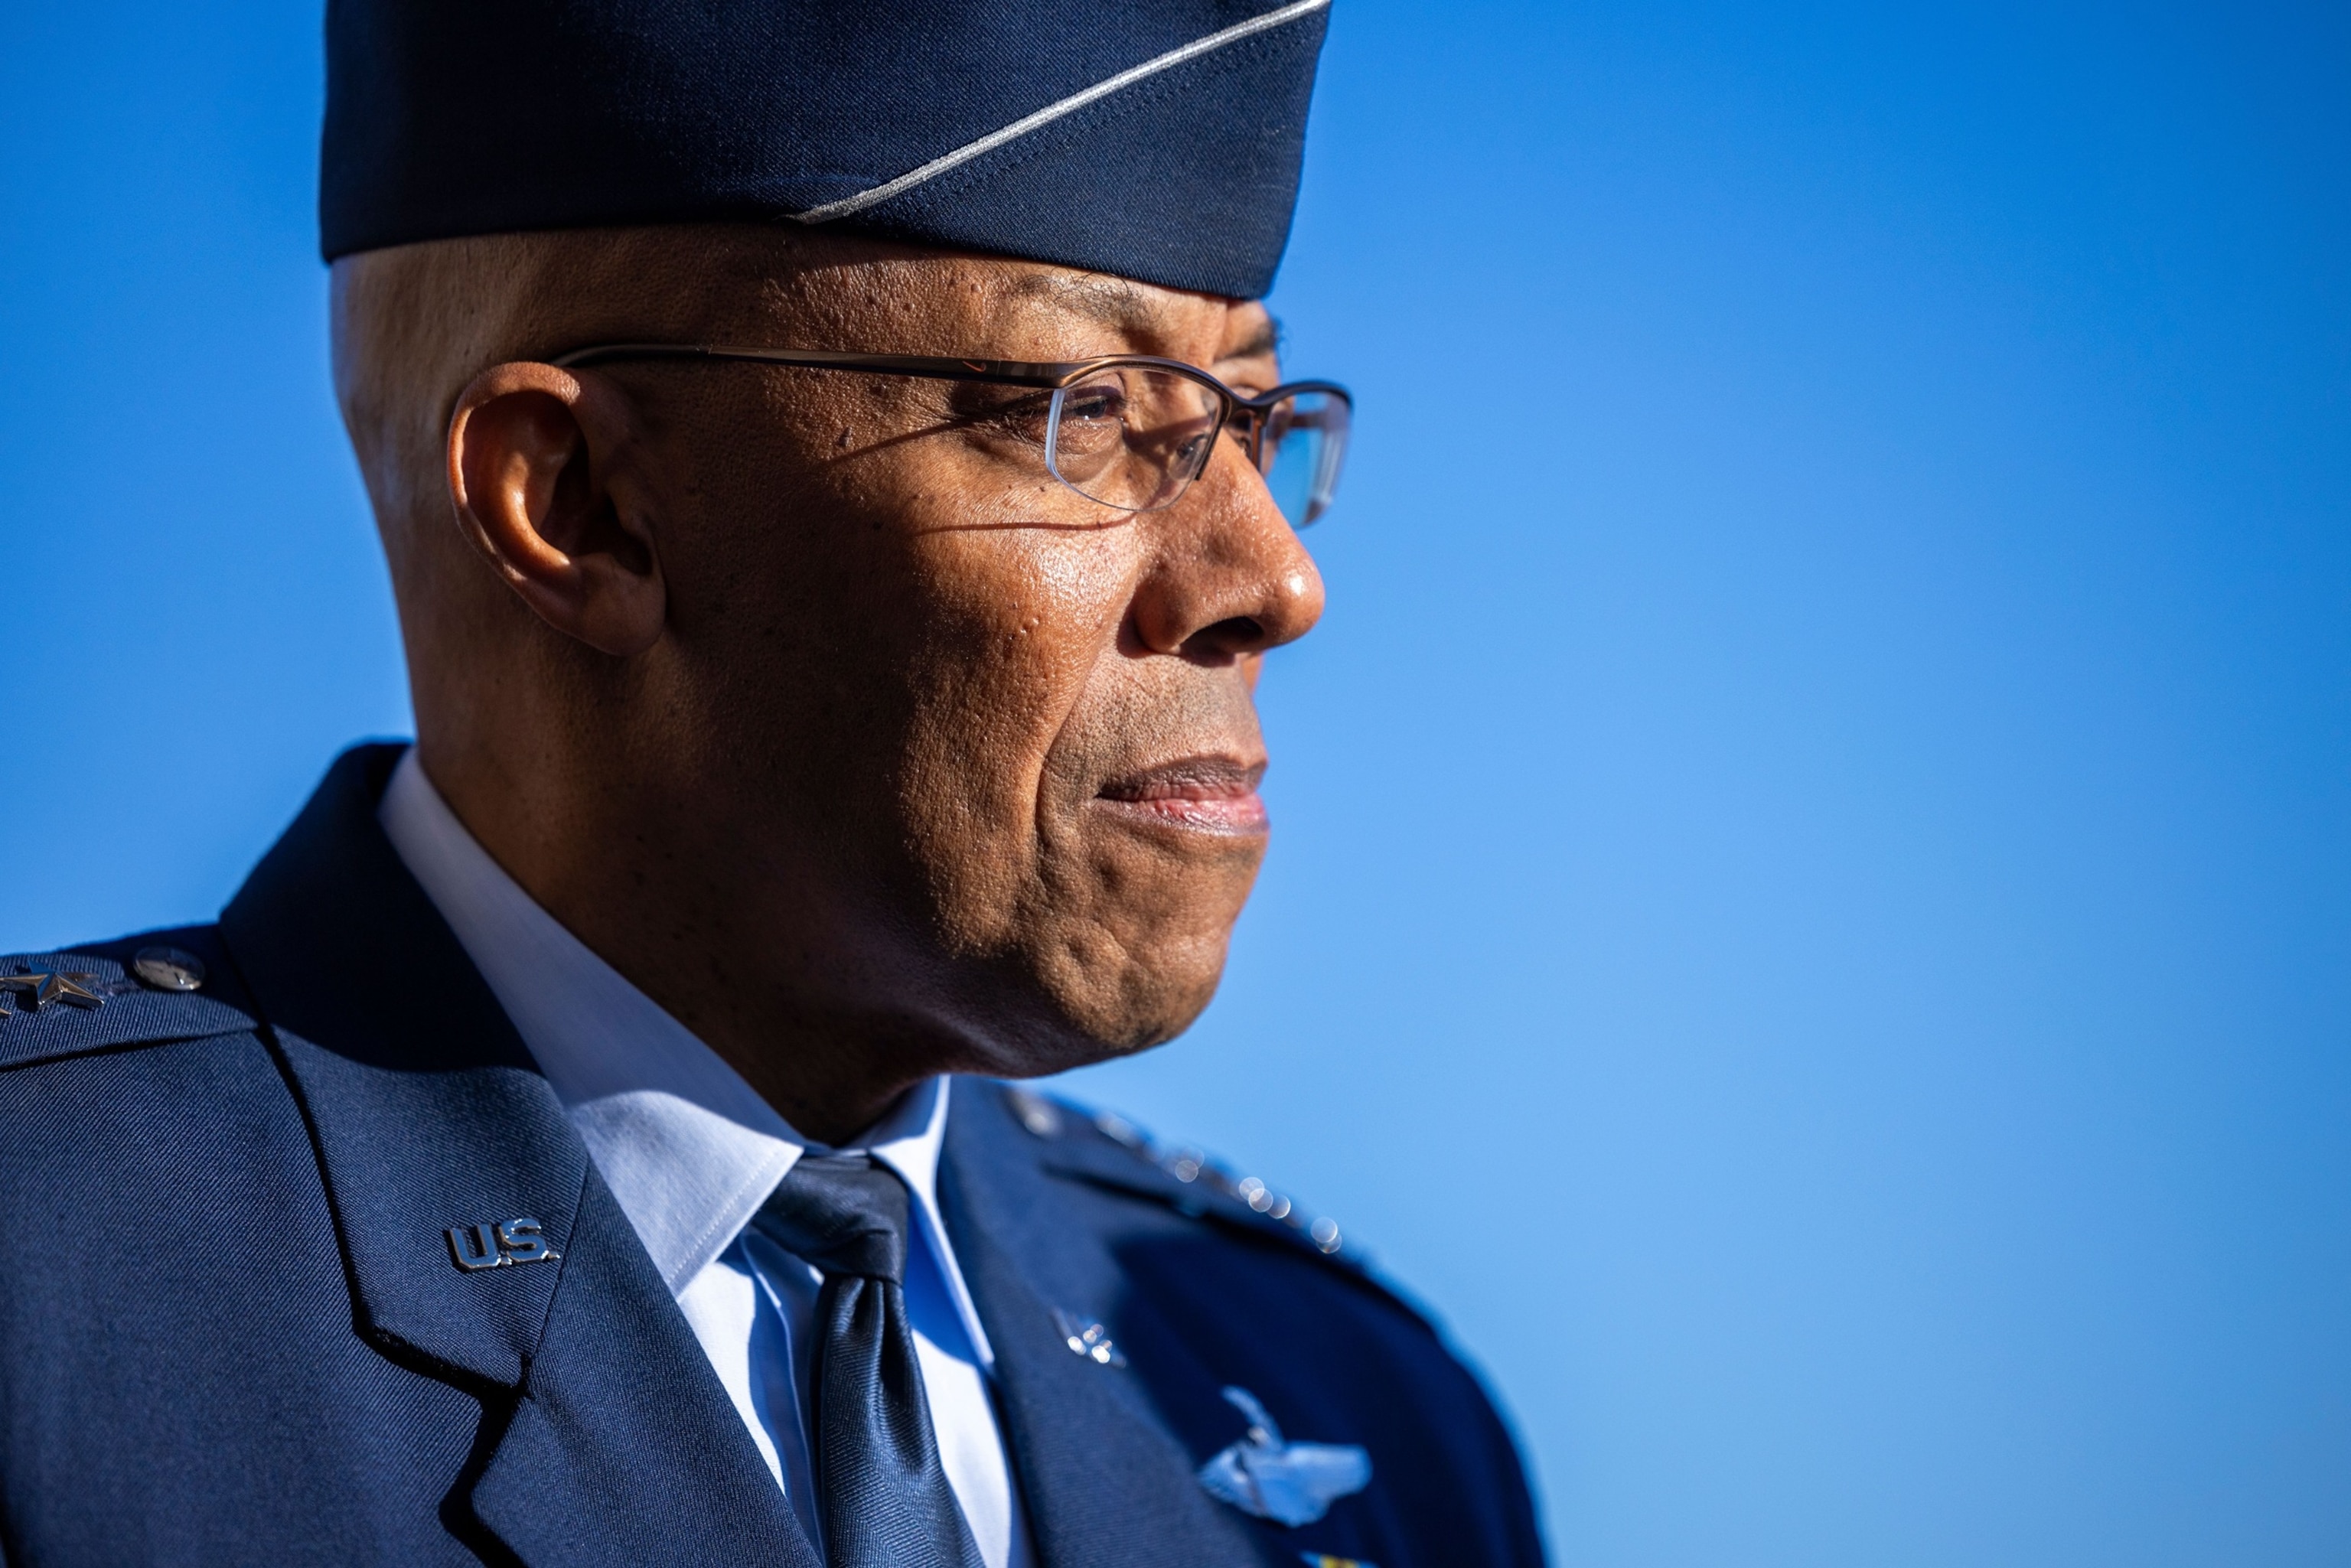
(1227,577)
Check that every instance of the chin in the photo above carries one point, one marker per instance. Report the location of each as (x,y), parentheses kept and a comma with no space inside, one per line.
(1142,1007)
(1121,953)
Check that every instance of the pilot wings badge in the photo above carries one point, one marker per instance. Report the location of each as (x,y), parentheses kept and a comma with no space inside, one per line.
(1290,1483)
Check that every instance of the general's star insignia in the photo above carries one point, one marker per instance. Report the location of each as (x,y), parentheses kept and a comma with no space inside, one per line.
(43,987)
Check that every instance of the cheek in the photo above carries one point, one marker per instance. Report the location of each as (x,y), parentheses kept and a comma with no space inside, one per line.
(1016,623)
(1130,922)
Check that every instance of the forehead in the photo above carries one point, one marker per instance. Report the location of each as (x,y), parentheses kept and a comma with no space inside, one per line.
(889,300)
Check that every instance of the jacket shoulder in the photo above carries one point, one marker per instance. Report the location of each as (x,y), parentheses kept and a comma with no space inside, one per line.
(1209,1279)
(152,988)
(1105,1150)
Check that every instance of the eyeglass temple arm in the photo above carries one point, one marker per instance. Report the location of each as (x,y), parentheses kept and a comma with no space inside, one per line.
(1004,372)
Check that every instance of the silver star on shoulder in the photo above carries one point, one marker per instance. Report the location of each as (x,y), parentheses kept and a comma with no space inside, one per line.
(42,986)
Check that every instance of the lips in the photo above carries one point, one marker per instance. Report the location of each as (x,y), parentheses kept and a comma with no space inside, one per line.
(1203,794)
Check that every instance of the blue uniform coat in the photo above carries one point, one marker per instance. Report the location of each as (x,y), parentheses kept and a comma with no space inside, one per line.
(232,1328)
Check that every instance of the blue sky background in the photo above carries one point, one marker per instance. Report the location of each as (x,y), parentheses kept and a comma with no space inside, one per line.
(1812,875)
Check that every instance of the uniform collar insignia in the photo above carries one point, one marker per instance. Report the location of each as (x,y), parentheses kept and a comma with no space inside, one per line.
(1089,1339)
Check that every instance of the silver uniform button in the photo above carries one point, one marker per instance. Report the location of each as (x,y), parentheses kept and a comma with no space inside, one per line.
(168,968)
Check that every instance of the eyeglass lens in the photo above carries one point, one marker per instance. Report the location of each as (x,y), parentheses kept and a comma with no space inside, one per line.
(1133,437)
(1305,441)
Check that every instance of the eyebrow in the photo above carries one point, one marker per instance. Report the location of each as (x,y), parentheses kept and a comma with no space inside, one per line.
(1116,303)
(1266,340)
(1108,300)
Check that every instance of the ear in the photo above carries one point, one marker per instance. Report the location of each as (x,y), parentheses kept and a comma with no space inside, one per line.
(543,468)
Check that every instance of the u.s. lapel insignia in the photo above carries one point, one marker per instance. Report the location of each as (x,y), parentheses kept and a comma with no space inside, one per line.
(1290,1483)
(501,1245)
(41,987)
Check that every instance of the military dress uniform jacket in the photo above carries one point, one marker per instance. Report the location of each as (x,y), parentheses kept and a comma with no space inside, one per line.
(233,1326)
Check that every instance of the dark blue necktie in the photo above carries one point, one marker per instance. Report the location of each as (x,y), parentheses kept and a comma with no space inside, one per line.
(881,1492)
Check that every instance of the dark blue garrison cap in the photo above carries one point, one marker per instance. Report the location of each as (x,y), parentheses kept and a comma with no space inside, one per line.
(1155,139)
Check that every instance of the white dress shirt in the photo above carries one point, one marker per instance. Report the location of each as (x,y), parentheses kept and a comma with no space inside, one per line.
(691,1151)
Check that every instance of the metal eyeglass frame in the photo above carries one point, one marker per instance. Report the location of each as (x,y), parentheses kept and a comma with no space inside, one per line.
(1253,414)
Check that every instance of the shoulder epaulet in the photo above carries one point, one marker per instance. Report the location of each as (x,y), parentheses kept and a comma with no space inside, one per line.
(148,989)
(1105,1149)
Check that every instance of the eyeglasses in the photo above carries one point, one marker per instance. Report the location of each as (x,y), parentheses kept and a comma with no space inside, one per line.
(1129,431)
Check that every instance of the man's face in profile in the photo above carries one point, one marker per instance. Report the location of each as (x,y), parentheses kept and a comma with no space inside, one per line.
(979,755)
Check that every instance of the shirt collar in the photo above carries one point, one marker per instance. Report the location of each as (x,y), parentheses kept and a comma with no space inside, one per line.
(689,1149)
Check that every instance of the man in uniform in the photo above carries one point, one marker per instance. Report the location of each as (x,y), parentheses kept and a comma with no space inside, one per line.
(838,491)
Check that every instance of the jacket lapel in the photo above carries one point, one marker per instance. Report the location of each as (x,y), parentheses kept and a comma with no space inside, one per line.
(1106,1483)
(429,1117)
(624,1449)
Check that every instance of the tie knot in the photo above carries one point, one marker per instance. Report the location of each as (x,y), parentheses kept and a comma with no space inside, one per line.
(844,1213)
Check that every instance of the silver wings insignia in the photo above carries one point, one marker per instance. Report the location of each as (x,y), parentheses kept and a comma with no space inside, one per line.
(1291,1483)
